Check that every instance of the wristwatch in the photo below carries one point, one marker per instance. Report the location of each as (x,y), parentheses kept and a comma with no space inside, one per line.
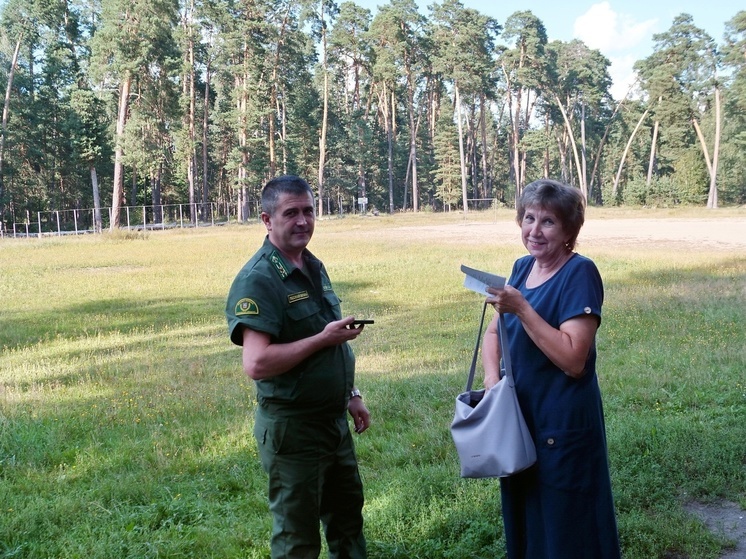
(355,393)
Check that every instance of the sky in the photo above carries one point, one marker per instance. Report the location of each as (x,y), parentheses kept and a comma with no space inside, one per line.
(621,29)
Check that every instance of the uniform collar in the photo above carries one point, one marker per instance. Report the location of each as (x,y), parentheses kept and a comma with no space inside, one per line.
(281,265)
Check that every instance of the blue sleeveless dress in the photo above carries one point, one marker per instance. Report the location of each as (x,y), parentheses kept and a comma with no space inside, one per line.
(562,507)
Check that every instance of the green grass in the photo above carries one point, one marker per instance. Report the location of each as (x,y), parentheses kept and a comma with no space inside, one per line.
(125,418)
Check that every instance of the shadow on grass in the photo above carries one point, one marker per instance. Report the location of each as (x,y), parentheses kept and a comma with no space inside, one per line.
(155,448)
(122,315)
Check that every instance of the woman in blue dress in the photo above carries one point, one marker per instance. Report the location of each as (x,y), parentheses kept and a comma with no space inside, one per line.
(562,507)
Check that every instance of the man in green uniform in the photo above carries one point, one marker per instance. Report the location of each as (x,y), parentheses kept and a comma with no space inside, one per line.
(283,310)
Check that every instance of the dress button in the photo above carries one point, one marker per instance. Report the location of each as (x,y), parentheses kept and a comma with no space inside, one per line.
(550,441)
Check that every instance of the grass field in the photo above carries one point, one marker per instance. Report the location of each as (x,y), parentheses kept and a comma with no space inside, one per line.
(125,418)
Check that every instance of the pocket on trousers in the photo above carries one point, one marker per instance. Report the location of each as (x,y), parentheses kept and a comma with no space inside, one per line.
(567,459)
(280,436)
(269,435)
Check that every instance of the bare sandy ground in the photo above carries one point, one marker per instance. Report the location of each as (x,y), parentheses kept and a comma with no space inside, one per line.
(717,233)
(725,233)
(727,520)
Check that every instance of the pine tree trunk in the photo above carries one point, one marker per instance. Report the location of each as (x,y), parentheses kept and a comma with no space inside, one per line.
(325,115)
(712,198)
(486,182)
(516,153)
(205,131)
(624,155)
(97,225)
(191,158)
(579,168)
(464,193)
(412,144)
(651,161)
(6,107)
(584,172)
(388,118)
(118,191)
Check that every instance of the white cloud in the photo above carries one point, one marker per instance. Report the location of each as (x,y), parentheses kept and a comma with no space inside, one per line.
(622,75)
(619,37)
(608,31)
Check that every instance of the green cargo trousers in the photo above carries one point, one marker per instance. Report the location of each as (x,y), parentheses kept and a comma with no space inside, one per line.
(313,478)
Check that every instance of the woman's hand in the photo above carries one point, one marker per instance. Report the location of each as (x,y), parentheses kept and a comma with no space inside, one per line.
(490,381)
(506,299)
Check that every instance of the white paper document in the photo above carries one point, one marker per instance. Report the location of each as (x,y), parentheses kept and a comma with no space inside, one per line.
(479,281)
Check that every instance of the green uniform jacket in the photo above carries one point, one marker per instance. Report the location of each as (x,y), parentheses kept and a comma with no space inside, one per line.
(272,296)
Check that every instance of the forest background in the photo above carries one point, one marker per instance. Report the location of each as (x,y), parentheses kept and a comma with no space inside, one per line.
(114,103)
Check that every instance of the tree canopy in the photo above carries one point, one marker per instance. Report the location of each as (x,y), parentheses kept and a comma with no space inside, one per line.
(116,103)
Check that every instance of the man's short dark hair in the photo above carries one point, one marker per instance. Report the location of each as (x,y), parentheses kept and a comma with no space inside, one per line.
(285,184)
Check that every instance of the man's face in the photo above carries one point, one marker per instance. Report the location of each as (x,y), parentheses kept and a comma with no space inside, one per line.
(291,226)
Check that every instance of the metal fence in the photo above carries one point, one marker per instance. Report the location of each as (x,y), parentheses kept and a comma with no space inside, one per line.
(54,223)
(137,218)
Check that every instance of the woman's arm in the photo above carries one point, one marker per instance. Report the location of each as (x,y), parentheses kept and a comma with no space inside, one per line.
(567,346)
(491,355)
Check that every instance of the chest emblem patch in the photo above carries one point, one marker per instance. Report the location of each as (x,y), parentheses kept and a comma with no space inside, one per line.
(246,306)
(297,296)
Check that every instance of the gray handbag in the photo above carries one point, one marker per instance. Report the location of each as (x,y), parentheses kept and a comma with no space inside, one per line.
(488,429)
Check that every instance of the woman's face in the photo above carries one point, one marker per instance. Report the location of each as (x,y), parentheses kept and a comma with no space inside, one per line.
(543,234)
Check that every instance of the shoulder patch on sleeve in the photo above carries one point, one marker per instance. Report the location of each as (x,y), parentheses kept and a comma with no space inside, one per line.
(246,306)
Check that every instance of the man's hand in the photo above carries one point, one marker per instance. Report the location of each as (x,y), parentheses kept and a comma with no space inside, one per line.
(360,414)
(340,331)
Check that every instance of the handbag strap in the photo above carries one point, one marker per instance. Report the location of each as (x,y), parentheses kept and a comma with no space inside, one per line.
(473,367)
(502,340)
